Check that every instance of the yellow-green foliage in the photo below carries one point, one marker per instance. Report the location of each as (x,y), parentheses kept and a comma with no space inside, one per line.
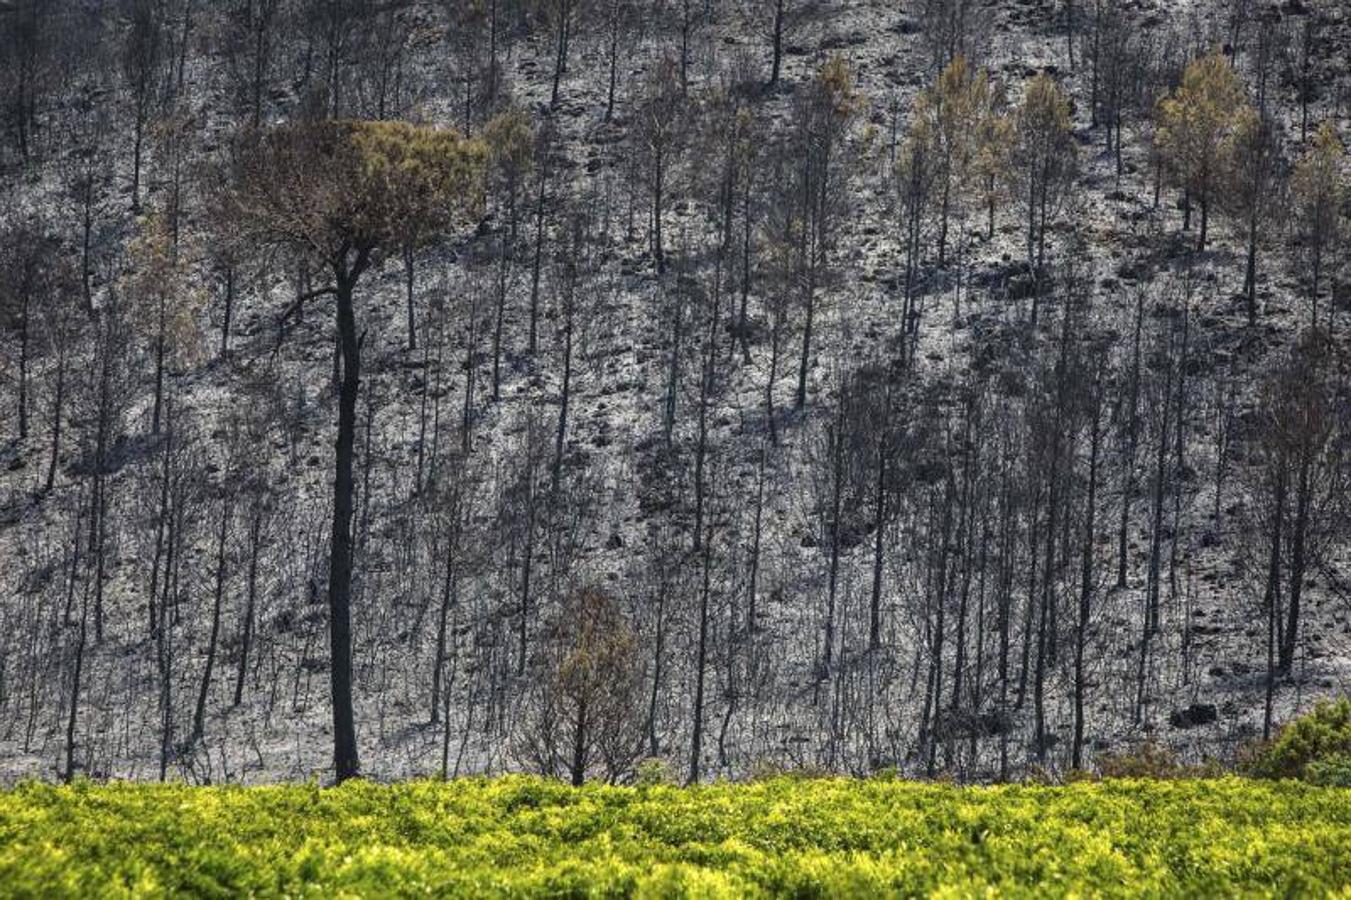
(1319,188)
(165,302)
(413,173)
(520,836)
(1194,120)
(835,82)
(510,141)
(332,186)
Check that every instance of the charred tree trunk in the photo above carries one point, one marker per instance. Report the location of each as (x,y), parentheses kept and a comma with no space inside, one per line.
(700,664)
(1298,564)
(250,600)
(1086,584)
(345,759)
(199,713)
(776,58)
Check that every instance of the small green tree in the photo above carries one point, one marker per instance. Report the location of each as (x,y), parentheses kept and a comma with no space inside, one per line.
(1319,191)
(828,105)
(345,192)
(512,148)
(954,118)
(166,306)
(1192,125)
(586,712)
(1252,161)
(1044,162)
(659,129)
(916,174)
(996,141)
(958,137)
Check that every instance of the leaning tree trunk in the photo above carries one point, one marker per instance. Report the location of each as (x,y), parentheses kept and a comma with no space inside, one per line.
(229,309)
(409,274)
(199,713)
(73,719)
(700,663)
(251,601)
(1298,564)
(23,365)
(57,410)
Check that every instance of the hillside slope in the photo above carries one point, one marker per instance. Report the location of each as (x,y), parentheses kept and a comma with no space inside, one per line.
(857,468)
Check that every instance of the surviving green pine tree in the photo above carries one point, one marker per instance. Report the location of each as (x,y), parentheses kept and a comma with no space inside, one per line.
(1193,123)
(1044,157)
(1319,191)
(346,192)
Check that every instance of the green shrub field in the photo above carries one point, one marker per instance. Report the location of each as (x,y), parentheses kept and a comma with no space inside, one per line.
(522,836)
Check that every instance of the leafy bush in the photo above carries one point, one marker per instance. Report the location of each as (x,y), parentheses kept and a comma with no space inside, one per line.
(523,837)
(1316,738)
(1334,771)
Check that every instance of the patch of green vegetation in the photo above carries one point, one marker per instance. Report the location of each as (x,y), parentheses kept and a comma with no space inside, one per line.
(521,836)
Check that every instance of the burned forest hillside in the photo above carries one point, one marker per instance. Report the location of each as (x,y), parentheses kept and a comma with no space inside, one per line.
(587,387)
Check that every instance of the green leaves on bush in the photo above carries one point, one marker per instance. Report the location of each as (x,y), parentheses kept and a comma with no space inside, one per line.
(1315,746)
(1334,771)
